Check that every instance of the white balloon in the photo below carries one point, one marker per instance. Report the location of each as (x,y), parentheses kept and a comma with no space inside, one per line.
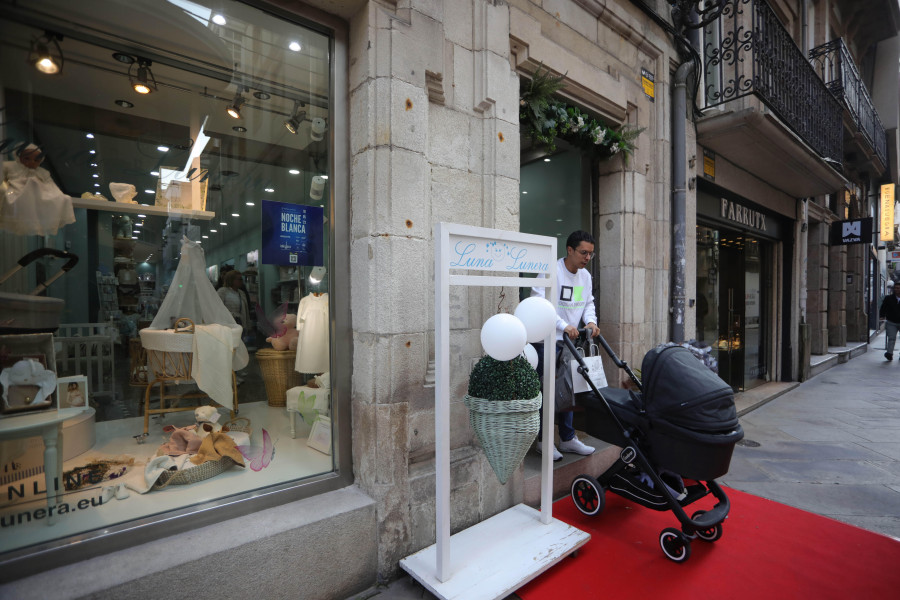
(531,355)
(503,337)
(538,316)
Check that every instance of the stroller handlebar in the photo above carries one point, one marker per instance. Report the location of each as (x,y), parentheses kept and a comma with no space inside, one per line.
(608,349)
(618,362)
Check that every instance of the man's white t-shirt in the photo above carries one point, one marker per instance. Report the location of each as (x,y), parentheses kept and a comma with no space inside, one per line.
(576,298)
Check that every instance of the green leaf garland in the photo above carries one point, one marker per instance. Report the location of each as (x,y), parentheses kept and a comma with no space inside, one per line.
(544,119)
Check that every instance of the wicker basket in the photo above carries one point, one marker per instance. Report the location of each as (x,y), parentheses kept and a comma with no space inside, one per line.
(278,373)
(195,474)
(506,429)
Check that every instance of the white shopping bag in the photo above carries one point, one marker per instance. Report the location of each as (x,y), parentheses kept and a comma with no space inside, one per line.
(595,371)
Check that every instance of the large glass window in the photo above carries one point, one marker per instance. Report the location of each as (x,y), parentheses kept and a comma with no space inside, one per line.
(182,153)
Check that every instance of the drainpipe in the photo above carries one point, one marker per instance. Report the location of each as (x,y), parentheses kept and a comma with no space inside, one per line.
(679,198)
(804,27)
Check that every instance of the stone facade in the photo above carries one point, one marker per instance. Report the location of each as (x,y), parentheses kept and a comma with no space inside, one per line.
(434,90)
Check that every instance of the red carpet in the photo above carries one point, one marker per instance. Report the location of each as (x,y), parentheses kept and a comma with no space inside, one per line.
(768,551)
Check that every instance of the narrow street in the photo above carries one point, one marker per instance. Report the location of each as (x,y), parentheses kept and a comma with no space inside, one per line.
(831,445)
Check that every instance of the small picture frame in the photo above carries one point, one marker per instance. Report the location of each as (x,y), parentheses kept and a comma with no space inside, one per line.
(72,392)
(320,436)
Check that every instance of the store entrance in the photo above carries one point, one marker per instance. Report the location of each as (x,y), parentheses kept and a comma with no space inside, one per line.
(733,287)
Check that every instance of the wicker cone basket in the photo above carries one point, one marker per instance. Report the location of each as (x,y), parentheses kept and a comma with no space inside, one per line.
(506,429)
(278,373)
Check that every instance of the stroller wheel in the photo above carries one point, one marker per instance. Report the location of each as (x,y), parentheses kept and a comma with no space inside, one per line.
(710,534)
(588,495)
(675,545)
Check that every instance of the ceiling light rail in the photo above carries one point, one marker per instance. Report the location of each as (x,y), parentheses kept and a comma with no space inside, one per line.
(83,32)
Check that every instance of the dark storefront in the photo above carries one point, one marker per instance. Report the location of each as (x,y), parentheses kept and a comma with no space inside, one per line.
(736,292)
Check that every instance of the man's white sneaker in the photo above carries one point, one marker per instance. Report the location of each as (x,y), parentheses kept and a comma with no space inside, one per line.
(556,453)
(575,445)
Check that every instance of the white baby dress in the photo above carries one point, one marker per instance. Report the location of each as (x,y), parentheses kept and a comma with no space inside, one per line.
(31,204)
(312,344)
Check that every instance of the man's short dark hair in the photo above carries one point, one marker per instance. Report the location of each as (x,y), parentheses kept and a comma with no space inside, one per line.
(576,237)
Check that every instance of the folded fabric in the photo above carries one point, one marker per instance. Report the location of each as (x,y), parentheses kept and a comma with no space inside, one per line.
(142,480)
(213,349)
(184,440)
(215,446)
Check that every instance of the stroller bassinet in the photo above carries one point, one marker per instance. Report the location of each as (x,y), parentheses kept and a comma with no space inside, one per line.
(682,423)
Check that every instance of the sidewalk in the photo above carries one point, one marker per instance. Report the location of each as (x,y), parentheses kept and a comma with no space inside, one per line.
(831,445)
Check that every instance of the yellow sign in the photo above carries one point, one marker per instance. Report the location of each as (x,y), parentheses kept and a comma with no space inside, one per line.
(647,83)
(709,164)
(887,212)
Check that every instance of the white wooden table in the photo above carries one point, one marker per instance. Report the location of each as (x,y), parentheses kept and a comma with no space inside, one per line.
(47,424)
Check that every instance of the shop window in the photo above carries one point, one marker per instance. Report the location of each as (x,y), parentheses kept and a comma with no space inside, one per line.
(193,139)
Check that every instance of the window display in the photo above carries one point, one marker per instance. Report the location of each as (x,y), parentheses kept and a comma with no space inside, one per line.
(178,161)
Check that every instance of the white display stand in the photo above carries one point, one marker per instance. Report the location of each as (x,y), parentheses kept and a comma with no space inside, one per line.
(498,555)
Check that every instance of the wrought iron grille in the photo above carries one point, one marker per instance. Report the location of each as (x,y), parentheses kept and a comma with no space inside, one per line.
(748,51)
(837,69)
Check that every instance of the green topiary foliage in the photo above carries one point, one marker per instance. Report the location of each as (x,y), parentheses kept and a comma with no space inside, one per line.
(514,379)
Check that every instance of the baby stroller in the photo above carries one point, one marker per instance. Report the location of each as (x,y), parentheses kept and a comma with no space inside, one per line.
(682,424)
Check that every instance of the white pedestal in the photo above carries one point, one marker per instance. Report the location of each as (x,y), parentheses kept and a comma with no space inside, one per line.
(497,556)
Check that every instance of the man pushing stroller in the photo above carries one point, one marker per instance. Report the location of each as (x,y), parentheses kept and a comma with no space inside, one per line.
(576,305)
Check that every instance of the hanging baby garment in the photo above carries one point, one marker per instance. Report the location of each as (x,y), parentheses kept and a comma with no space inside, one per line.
(31,204)
(312,344)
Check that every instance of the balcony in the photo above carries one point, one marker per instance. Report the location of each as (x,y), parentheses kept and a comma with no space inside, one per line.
(837,69)
(765,108)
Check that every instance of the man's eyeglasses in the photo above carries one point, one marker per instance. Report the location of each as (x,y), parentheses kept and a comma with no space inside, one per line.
(586,254)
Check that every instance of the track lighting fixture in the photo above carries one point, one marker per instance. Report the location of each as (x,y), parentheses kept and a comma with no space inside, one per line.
(46,56)
(143,82)
(234,109)
(297,116)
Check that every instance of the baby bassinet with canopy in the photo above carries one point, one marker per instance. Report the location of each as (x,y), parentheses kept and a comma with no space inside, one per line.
(193,338)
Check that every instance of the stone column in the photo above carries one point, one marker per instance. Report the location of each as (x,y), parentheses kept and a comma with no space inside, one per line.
(837,296)
(434,137)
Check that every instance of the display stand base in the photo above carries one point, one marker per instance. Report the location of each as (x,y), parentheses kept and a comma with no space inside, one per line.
(497,556)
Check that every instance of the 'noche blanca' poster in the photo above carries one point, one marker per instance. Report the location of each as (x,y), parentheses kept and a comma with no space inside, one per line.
(292,234)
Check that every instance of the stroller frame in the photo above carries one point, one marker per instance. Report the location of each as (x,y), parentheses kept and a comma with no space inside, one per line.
(623,478)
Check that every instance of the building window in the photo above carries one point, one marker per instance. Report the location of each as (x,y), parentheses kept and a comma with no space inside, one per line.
(195,140)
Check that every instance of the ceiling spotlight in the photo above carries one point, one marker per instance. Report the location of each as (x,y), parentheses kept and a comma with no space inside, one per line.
(162,148)
(124,103)
(235,214)
(251,203)
(295,46)
(89,136)
(240,129)
(143,82)
(270,190)
(46,55)
(297,117)
(218,19)
(294,172)
(234,109)
(261,95)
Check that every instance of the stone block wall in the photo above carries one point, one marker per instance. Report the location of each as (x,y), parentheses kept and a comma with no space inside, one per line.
(434,121)
(435,137)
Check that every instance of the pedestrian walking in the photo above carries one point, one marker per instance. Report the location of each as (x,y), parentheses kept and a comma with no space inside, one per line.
(890,314)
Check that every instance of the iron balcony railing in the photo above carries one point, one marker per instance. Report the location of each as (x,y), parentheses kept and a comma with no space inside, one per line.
(747,51)
(837,69)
